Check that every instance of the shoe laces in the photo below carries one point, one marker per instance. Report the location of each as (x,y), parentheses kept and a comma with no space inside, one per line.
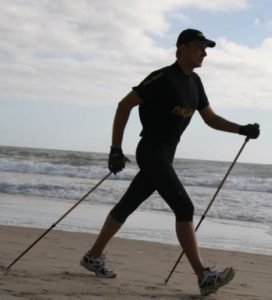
(212,268)
(212,273)
(103,261)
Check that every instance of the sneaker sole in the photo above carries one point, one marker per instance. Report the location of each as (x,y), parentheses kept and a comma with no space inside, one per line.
(217,286)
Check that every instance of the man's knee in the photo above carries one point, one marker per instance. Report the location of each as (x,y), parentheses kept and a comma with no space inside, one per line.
(186,212)
(118,215)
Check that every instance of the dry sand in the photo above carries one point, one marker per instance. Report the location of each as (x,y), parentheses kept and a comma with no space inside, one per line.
(51,270)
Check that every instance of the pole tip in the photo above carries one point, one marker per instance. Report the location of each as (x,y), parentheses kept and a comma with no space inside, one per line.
(4,269)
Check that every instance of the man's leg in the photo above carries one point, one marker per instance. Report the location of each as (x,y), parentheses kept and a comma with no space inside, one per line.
(108,230)
(172,190)
(93,260)
(209,280)
(186,236)
(139,190)
(157,165)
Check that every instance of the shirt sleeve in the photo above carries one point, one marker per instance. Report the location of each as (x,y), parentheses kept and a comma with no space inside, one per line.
(149,89)
(203,99)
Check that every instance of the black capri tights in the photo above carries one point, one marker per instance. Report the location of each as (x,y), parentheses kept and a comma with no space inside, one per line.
(155,160)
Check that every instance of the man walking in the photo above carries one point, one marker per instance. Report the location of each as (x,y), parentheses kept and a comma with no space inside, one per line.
(167,100)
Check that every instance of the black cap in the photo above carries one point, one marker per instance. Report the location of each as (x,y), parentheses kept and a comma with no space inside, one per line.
(194,36)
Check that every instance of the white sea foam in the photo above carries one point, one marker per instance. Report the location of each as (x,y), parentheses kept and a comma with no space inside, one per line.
(246,195)
(40,212)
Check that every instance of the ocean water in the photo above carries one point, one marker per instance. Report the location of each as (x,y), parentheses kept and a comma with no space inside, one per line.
(55,177)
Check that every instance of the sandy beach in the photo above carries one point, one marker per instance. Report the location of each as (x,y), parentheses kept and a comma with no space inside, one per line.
(51,270)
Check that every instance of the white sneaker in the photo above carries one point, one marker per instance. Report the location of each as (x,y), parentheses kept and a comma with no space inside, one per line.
(96,265)
(214,280)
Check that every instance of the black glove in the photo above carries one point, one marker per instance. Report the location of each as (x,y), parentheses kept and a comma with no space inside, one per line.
(251,130)
(117,160)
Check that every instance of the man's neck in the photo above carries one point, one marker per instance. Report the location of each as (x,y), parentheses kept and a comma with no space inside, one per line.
(187,70)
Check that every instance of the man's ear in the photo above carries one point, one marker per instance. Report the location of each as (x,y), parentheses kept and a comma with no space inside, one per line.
(179,51)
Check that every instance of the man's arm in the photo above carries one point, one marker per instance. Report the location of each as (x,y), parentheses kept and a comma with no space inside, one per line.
(121,117)
(217,122)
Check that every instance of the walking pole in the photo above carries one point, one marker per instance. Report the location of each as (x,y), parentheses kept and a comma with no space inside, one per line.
(210,204)
(60,219)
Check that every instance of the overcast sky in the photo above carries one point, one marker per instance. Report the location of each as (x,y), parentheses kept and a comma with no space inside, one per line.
(65,64)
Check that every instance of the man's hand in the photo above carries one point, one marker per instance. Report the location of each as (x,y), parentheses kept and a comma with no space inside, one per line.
(117,160)
(252,131)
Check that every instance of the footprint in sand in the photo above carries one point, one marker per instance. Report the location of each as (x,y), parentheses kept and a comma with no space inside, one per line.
(245,285)
(152,288)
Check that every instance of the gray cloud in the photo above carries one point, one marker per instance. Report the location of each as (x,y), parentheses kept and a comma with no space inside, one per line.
(92,52)
(237,75)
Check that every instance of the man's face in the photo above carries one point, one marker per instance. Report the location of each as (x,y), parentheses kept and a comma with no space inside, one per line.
(194,54)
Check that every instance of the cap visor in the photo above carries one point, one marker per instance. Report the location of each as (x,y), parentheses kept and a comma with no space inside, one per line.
(208,43)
